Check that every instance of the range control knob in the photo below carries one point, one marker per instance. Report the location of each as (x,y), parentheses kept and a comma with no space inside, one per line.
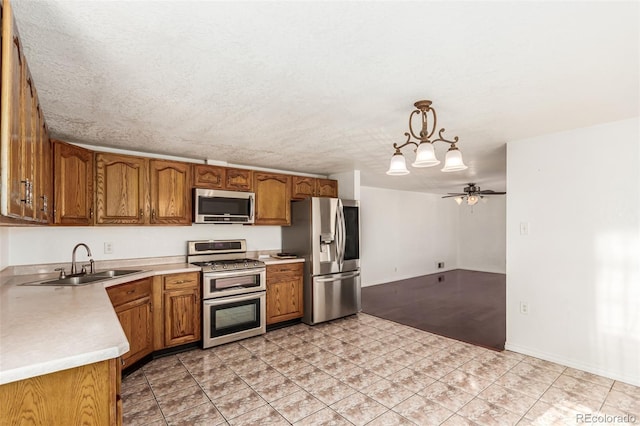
(224,266)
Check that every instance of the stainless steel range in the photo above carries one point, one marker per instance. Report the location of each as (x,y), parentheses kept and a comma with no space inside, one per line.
(234,291)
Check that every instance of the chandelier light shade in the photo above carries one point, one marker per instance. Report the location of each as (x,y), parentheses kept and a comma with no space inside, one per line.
(425,152)
(398,166)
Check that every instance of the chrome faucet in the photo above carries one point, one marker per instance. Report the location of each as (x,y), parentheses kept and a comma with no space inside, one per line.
(74,269)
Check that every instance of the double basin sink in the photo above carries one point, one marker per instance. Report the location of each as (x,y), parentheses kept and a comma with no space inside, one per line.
(88,278)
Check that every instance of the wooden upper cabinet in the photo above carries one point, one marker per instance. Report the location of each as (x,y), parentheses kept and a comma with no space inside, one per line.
(121,189)
(302,187)
(12,100)
(73,184)
(217,177)
(239,180)
(24,148)
(327,188)
(210,177)
(273,198)
(170,192)
(44,177)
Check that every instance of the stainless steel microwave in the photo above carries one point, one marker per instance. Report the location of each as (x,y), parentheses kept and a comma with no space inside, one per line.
(217,206)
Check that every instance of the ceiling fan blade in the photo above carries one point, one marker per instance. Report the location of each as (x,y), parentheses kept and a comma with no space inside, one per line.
(454,195)
(490,192)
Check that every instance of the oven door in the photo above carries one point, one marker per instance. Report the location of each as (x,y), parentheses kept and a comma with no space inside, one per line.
(233,318)
(222,284)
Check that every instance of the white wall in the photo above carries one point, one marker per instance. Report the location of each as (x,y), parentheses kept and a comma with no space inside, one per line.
(52,244)
(404,234)
(579,266)
(4,247)
(348,184)
(482,239)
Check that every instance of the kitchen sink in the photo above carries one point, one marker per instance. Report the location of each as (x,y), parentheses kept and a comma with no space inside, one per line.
(114,273)
(88,278)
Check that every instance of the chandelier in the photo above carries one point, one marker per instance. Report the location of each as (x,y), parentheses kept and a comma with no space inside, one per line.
(425,154)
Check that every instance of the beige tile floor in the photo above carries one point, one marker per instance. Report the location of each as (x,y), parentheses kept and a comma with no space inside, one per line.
(365,370)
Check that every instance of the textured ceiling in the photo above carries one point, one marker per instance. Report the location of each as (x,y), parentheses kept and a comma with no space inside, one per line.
(326,87)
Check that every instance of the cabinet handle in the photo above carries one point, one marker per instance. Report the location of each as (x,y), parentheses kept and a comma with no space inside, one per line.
(141,213)
(131,291)
(183,281)
(28,192)
(153,213)
(91,212)
(45,203)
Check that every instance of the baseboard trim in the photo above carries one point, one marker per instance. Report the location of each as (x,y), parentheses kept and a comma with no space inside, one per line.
(571,363)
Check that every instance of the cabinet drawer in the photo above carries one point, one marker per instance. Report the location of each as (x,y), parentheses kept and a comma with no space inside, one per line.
(124,293)
(180,281)
(284,270)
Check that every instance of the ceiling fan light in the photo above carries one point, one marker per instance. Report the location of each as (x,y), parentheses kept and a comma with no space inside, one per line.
(425,156)
(472,200)
(459,200)
(453,161)
(398,165)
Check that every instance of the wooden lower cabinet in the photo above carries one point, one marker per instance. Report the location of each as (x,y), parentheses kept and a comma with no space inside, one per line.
(85,395)
(284,292)
(178,304)
(133,305)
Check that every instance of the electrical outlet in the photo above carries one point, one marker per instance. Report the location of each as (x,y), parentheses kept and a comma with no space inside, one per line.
(440,265)
(524,308)
(524,228)
(108,248)
(441,278)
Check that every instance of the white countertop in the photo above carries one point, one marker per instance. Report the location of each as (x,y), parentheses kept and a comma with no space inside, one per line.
(274,261)
(44,329)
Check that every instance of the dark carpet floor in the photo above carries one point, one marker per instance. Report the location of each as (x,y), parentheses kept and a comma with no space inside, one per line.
(461,304)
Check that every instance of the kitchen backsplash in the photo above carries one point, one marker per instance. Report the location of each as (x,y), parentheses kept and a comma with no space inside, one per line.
(43,245)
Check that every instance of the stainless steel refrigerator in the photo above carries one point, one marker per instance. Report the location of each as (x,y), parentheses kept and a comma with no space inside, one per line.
(326,232)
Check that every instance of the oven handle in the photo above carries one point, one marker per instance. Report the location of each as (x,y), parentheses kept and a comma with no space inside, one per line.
(232,299)
(237,273)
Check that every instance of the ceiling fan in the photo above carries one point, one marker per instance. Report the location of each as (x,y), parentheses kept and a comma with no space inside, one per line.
(472,194)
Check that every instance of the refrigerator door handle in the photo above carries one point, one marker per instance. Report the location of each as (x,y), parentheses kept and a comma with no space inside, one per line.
(338,277)
(338,235)
(342,231)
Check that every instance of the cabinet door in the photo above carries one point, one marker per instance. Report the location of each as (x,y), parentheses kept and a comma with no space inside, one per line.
(121,185)
(170,189)
(44,175)
(73,182)
(181,316)
(181,308)
(28,142)
(284,292)
(133,305)
(273,198)
(239,180)
(136,322)
(84,395)
(302,187)
(15,188)
(209,177)
(327,188)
